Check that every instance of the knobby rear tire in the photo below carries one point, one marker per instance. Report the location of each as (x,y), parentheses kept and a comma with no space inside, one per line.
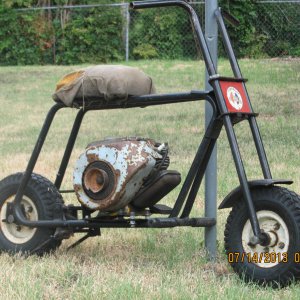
(41,201)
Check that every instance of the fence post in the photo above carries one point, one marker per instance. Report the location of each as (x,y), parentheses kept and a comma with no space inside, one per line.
(126,16)
(211,35)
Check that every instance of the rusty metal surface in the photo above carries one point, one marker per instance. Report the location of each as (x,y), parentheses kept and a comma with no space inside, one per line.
(131,159)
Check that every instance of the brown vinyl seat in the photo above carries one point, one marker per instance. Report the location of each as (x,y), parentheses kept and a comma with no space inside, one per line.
(104,83)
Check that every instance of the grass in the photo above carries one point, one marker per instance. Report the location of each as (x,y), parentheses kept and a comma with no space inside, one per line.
(146,264)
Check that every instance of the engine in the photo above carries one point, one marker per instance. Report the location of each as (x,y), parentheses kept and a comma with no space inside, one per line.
(117,172)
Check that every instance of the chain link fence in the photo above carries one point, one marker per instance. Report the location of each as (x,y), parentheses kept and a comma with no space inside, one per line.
(275,32)
(113,32)
(279,27)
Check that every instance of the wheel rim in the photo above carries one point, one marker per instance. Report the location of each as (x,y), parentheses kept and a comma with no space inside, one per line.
(270,255)
(19,234)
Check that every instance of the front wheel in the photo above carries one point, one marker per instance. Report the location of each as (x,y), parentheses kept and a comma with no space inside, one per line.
(277,262)
(41,201)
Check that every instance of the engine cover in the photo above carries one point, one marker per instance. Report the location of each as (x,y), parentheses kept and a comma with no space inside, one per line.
(110,172)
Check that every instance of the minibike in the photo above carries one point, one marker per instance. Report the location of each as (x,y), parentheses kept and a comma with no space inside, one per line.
(123,179)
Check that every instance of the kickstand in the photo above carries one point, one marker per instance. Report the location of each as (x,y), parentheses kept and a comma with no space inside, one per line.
(91,233)
(79,241)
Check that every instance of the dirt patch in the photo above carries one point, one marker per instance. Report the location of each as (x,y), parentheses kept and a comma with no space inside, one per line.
(287,59)
(219,269)
(179,67)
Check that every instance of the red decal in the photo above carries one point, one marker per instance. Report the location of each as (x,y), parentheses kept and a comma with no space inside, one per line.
(235,97)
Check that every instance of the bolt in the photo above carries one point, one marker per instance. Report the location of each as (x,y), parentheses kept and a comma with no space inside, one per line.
(147,214)
(276,226)
(132,219)
(10,219)
(19,227)
(266,249)
(29,209)
(254,240)
(281,245)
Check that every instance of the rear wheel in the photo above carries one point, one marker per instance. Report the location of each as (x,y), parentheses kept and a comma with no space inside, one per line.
(276,262)
(41,201)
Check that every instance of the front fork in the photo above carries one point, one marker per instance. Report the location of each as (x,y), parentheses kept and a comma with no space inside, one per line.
(259,237)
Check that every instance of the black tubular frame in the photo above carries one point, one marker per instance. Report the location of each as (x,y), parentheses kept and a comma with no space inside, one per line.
(186,198)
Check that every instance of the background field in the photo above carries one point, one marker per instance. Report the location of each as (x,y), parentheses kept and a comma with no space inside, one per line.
(146,264)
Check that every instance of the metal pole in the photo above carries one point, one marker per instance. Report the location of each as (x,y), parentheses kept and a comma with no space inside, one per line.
(211,36)
(127,32)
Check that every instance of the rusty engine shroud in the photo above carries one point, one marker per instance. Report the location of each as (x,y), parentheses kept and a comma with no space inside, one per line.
(110,173)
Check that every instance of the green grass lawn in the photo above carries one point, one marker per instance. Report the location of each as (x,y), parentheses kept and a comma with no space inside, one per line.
(146,264)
